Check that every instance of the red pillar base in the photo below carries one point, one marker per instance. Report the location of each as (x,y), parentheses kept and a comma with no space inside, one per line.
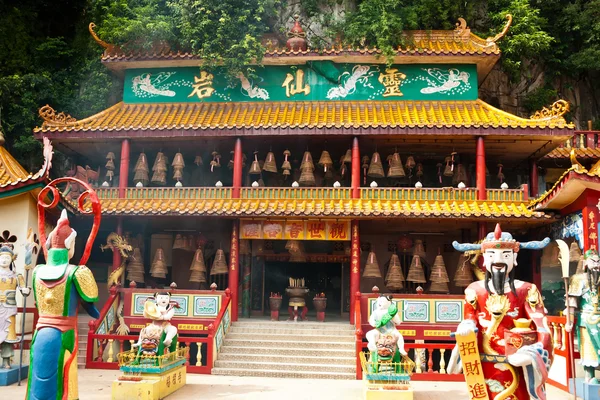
(321,316)
(275,315)
(294,314)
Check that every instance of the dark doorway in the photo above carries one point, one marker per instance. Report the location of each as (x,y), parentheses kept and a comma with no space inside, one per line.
(318,278)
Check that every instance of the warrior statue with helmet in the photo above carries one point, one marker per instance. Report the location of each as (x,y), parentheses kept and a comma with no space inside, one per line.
(583,297)
(10,280)
(509,321)
(59,288)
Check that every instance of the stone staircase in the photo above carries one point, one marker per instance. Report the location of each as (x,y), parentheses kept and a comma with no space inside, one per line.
(287,349)
(83,328)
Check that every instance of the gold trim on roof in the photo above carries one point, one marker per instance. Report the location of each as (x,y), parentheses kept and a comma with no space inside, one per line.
(265,115)
(499,36)
(557,109)
(13,174)
(319,208)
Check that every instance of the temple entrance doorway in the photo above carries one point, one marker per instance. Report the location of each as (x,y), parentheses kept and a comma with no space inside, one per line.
(319,279)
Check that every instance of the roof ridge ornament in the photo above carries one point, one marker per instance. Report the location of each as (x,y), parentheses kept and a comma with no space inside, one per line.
(50,116)
(557,109)
(462,30)
(109,47)
(576,165)
(493,40)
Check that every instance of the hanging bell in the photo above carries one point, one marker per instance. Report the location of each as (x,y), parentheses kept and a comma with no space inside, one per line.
(178,161)
(376,167)
(307,177)
(365,166)
(410,162)
(198,161)
(452,156)
(550,255)
(198,262)
(396,169)
(270,165)
(255,167)
(286,164)
(419,170)
(439,276)
(394,279)
(460,175)
(219,266)
(463,276)
(141,171)
(159,265)
(372,267)
(135,267)
(580,268)
(178,243)
(500,173)
(325,161)
(448,171)
(347,157)
(307,161)
(419,249)
(416,273)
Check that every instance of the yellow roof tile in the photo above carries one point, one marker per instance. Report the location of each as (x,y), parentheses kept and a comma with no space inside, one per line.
(13,175)
(347,114)
(308,207)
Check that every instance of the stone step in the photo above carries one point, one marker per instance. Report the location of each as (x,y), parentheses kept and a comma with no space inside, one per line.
(287,366)
(277,338)
(301,324)
(289,330)
(295,343)
(282,373)
(267,349)
(275,359)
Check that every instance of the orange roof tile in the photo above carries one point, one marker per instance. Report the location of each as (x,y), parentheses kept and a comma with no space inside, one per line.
(318,208)
(334,114)
(13,175)
(563,152)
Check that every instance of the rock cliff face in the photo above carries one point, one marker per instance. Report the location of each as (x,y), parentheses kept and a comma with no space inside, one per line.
(497,89)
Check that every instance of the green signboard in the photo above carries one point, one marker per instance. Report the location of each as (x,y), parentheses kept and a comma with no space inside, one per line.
(316,81)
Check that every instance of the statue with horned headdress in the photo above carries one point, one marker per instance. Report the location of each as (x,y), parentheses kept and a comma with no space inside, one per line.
(583,297)
(509,319)
(59,287)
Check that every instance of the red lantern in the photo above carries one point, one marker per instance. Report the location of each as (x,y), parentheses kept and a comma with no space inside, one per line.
(405,243)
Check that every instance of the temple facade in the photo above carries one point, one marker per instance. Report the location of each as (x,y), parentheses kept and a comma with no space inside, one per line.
(327,169)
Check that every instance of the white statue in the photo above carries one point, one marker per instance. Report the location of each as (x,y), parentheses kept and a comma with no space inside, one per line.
(386,343)
(160,311)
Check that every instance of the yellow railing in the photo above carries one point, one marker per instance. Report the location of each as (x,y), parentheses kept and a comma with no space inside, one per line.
(128,358)
(317,193)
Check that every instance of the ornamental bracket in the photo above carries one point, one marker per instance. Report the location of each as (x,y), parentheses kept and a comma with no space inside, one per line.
(499,36)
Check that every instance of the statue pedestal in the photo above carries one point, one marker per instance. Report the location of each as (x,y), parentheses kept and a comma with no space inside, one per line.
(275,315)
(321,316)
(293,311)
(379,394)
(151,387)
(10,376)
(585,391)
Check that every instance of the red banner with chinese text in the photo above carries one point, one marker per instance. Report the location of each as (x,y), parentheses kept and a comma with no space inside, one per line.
(295,230)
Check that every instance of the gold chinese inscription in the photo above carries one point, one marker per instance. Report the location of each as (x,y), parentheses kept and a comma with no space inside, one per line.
(471,361)
(295,85)
(203,85)
(391,80)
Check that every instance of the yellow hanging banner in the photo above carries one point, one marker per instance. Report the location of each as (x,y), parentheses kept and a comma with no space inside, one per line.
(471,363)
(295,230)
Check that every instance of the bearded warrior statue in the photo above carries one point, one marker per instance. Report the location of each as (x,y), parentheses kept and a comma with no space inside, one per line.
(509,317)
(583,298)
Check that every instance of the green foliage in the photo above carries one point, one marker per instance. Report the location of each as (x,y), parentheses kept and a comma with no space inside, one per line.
(538,98)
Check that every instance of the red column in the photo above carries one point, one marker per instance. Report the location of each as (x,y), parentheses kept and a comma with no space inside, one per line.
(533,179)
(124,168)
(354,266)
(116,254)
(355,182)
(237,168)
(481,230)
(234,264)
(480,169)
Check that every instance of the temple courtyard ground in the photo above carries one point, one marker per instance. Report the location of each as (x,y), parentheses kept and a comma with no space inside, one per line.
(96,385)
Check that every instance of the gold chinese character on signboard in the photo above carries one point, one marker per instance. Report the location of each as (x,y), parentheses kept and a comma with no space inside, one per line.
(467,348)
(477,391)
(295,86)
(203,85)
(392,79)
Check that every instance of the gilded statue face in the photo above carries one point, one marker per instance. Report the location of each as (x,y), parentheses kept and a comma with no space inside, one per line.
(5,260)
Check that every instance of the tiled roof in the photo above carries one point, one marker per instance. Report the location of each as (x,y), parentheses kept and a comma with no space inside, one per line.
(264,115)
(569,186)
(318,208)
(13,175)
(580,153)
